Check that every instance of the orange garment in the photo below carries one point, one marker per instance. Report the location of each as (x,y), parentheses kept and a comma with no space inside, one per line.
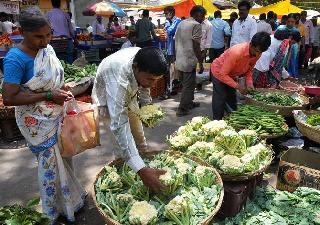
(234,62)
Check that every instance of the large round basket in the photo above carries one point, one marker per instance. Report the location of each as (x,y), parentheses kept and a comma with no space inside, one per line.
(285,111)
(235,177)
(78,88)
(149,155)
(290,86)
(311,132)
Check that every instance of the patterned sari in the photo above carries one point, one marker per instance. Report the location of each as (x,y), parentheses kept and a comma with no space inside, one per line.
(60,191)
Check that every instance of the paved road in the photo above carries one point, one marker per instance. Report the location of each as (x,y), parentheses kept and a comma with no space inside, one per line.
(18,167)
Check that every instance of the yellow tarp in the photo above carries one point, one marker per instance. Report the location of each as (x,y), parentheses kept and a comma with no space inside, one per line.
(207,4)
(280,8)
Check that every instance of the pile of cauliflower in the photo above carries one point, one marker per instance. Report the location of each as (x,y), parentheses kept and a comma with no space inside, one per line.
(151,115)
(187,184)
(221,146)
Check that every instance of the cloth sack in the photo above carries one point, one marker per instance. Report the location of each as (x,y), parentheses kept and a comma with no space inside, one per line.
(79,129)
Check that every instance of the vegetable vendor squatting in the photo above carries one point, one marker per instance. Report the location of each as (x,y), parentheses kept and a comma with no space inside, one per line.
(237,61)
(122,79)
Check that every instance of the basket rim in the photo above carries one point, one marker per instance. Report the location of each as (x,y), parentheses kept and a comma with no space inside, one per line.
(311,132)
(208,219)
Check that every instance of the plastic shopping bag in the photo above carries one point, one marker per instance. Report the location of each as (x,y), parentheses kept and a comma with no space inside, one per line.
(79,129)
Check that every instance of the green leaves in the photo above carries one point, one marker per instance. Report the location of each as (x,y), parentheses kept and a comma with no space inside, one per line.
(314,120)
(33,202)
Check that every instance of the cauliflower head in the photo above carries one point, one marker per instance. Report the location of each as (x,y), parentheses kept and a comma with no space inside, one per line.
(214,127)
(231,164)
(142,213)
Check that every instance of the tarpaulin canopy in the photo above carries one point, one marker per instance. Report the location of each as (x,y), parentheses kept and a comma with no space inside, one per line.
(280,8)
(182,7)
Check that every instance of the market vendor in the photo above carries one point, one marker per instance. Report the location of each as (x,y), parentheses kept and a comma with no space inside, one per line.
(237,61)
(98,27)
(121,79)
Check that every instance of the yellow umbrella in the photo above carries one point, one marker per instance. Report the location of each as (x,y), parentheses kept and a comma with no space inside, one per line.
(280,8)
(208,5)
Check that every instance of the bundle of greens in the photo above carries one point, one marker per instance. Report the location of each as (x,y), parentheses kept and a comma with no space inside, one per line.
(16,214)
(275,98)
(191,195)
(151,115)
(76,73)
(275,207)
(219,145)
(313,120)
(257,119)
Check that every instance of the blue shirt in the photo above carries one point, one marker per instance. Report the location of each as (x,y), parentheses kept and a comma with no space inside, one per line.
(18,67)
(171,31)
(220,29)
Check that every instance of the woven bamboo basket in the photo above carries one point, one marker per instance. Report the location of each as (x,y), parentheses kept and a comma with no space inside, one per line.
(110,221)
(235,177)
(311,132)
(285,111)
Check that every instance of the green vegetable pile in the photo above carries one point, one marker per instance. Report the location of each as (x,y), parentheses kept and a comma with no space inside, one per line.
(76,73)
(274,98)
(18,215)
(191,194)
(221,146)
(257,119)
(275,207)
(314,120)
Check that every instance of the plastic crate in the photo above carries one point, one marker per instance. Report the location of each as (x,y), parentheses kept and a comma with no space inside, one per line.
(59,45)
(10,130)
(91,55)
(159,88)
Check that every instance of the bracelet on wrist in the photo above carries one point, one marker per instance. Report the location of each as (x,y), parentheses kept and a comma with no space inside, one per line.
(49,96)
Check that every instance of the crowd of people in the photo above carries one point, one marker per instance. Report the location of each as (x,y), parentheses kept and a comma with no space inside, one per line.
(263,52)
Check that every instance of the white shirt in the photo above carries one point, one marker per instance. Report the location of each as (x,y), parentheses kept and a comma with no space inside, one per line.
(263,26)
(116,86)
(98,27)
(206,35)
(243,31)
(7,27)
(308,31)
(90,29)
(127,44)
(316,36)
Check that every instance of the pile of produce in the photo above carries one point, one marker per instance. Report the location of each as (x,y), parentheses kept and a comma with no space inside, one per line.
(161,34)
(84,37)
(258,119)
(151,115)
(191,195)
(275,207)
(76,73)
(313,120)
(5,41)
(221,146)
(119,34)
(18,215)
(275,98)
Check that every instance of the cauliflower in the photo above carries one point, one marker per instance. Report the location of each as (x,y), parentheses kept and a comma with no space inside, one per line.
(203,176)
(176,206)
(184,130)
(231,143)
(112,181)
(142,213)
(151,115)
(171,179)
(197,122)
(180,142)
(231,164)
(125,199)
(156,164)
(215,158)
(201,149)
(250,137)
(214,127)
(183,168)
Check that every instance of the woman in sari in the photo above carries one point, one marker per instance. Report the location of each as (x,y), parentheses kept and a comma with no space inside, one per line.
(292,58)
(269,69)
(34,83)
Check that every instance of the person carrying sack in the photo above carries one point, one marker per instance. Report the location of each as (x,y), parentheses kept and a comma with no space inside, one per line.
(34,83)
(121,78)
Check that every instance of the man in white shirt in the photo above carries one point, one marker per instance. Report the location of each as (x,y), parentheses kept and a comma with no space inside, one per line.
(121,78)
(308,38)
(262,25)
(316,39)
(7,25)
(244,28)
(206,36)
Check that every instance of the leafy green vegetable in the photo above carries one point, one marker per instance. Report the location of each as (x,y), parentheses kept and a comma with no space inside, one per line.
(275,98)
(275,207)
(76,73)
(314,120)
(19,215)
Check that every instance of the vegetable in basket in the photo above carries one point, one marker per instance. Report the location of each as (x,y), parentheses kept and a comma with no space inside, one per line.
(314,120)
(151,115)
(275,98)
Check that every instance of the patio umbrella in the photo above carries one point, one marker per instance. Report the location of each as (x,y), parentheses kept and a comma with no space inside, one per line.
(104,8)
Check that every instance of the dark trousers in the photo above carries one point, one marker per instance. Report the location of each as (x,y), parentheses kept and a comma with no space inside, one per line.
(188,80)
(315,52)
(144,44)
(215,53)
(224,99)
(170,59)
(303,57)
